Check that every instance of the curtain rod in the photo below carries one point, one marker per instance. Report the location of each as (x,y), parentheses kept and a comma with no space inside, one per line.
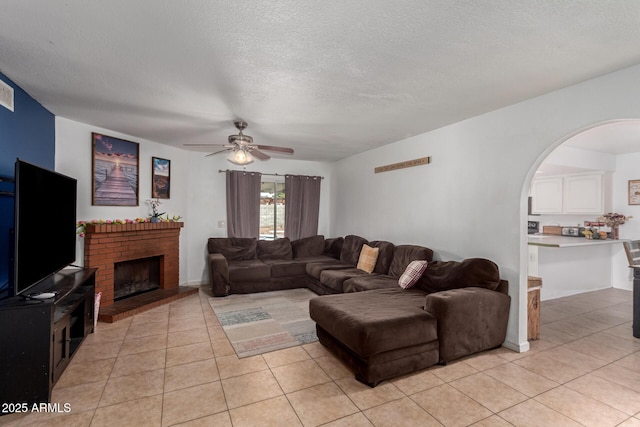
(268,174)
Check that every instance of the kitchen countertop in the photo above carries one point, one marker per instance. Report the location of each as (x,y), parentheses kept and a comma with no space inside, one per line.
(555,241)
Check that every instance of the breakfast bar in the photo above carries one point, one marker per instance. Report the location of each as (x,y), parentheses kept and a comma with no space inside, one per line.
(571,265)
(553,241)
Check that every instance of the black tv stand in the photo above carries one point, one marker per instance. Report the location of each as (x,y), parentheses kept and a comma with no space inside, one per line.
(38,337)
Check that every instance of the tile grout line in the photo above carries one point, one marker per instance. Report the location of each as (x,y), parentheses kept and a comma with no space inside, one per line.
(111,370)
(608,363)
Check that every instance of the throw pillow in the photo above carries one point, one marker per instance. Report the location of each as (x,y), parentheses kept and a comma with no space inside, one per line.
(412,274)
(368,258)
(351,248)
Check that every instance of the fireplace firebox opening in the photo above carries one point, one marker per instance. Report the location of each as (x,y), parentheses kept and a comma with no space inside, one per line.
(137,276)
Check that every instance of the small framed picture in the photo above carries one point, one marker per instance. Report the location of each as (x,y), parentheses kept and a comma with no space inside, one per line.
(160,178)
(634,192)
(114,171)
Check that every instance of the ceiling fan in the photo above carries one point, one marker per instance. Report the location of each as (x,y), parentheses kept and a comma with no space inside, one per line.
(241,147)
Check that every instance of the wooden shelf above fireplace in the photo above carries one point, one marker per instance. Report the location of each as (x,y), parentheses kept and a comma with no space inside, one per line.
(134,226)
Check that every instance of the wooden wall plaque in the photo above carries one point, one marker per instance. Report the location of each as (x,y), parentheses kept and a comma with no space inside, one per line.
(402,165)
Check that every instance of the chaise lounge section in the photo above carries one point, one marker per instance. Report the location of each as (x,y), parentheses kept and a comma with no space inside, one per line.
(379,334)
(455,309)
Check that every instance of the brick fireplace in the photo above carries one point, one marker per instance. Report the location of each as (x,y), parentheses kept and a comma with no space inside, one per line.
(108,244)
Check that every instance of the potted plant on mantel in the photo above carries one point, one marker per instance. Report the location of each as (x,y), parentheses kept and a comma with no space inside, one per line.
(155,215)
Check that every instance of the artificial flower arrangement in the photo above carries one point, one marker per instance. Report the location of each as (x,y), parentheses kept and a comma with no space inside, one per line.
(612,219)
(81,226)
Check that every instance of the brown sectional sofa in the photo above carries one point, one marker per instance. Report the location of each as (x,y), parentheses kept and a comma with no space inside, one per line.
(378,328)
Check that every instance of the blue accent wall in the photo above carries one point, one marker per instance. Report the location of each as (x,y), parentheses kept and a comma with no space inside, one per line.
(27,133)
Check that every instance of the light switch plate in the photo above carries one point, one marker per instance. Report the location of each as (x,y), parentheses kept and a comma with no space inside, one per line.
(221,224)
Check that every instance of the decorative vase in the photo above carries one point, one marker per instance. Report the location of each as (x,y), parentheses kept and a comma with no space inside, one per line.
(615,232)
(155,219)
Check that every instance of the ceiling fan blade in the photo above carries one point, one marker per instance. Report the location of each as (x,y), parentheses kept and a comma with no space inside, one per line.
(259,154)
(204,145)
(272,148)
(216,152)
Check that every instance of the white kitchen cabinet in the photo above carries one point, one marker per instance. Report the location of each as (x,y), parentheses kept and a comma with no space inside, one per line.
(583,194)
(568,194)
(546,195)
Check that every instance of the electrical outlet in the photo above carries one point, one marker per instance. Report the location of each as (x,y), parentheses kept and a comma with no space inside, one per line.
(220,224)
(6,95)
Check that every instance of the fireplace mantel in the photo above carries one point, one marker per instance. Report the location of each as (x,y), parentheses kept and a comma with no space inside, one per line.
(107,244)
(133,226)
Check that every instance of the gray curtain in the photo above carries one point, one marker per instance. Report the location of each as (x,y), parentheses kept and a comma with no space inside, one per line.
(243,204)
(302,206)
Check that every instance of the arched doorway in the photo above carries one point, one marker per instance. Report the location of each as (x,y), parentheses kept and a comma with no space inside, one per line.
(613,138)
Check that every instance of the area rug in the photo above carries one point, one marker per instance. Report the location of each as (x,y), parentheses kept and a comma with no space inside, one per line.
(266,321)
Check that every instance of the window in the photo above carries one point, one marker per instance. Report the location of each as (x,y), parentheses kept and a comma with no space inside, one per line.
(272,196)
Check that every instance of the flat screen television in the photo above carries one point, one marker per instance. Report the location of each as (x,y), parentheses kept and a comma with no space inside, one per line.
(45,224)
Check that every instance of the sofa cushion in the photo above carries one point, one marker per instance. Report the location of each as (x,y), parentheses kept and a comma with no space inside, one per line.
(367,259)
(233,248)
(333,279)
(308,246)
(333,246)
(248,271)
(385,255)
(412,274)
(404,254)
(458,336)
(351,249)
(316,259)
(285,267)
(445,275)
(373,322)
(274,249)
(314,269)
(369,282)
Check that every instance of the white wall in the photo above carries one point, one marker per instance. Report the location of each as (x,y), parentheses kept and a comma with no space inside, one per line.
(584,159)
(73,158)
(207,204)
(472,200)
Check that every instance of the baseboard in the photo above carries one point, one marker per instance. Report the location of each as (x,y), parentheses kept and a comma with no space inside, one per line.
(194,283)
(627,286)
(520,348)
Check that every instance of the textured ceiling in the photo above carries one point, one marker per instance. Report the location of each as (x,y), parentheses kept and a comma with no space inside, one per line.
(329,79)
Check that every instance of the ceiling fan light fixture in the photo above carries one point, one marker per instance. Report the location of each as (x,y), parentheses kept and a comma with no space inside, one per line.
(241,148)
(240,157)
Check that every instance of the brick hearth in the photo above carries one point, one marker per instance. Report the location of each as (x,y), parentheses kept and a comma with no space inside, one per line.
(107,244)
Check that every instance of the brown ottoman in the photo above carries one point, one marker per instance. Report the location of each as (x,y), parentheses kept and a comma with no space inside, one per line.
(380,334)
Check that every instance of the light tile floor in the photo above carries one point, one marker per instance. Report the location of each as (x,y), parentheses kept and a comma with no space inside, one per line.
(174,366)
